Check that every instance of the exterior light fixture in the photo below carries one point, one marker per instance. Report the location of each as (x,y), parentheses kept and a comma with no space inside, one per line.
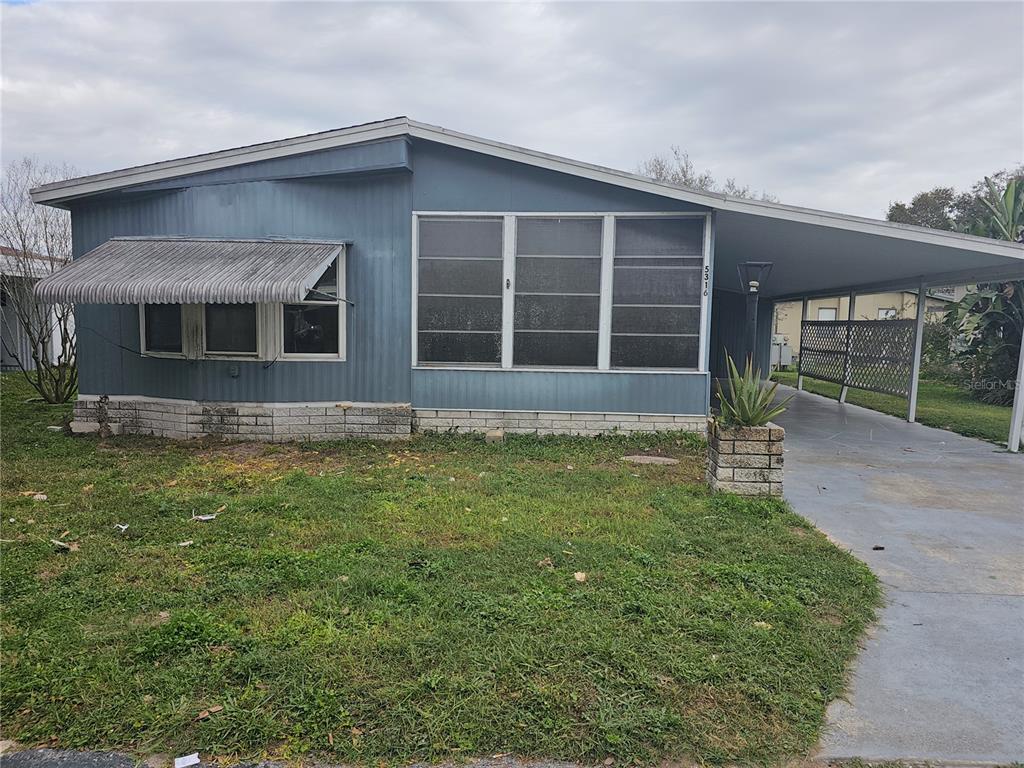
(752,276)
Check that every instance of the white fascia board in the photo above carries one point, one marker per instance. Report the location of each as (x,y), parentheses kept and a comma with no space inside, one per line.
(170,169)
(58,192)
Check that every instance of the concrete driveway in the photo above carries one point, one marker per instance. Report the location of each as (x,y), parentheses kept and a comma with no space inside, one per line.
(940,519)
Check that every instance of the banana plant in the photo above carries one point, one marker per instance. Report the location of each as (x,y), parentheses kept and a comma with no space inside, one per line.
(749,402)
(1006,221)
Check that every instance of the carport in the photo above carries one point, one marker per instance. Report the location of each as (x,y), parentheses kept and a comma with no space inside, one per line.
(815,254)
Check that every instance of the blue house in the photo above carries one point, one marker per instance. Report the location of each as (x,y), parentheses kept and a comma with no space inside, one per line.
(394,276)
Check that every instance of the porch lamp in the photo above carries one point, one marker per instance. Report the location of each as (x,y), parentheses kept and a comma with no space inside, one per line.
(752,276)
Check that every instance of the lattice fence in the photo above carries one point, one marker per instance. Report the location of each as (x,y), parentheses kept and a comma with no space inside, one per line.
(866,354)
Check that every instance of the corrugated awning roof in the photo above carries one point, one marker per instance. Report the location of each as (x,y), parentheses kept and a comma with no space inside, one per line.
(153,270)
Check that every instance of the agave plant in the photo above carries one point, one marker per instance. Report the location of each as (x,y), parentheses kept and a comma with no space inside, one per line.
(749,400)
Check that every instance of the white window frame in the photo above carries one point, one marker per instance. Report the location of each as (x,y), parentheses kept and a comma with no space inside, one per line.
(157,352)
(342,304)
(607,275)
(269,331)
(887,313)
(216,354)
(833,310)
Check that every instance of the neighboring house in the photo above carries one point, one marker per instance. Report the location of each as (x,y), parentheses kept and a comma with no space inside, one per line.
(396,275)
(17,275)
(891,305)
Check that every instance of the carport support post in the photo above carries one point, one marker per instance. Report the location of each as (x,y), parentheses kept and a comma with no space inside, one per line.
(800,359)
(1017,414)
(849,335)
(915,369)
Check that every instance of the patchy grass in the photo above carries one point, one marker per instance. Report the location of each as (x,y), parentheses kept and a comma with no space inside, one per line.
(392,603)
(941,405)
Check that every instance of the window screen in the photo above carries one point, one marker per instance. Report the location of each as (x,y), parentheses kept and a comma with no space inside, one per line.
(231,328)
(460,278)
(163,328)
(558,292)
(656,292)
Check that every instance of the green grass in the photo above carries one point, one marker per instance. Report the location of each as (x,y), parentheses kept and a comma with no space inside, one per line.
(385,603)
(939,404)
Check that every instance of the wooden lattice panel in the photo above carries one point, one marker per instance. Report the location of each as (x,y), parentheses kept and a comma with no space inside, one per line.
(866,354)
(823,349)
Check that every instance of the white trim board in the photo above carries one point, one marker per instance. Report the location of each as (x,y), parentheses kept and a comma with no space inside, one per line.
(63,191)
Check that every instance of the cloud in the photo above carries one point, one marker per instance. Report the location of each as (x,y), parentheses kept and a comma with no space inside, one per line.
(832,105)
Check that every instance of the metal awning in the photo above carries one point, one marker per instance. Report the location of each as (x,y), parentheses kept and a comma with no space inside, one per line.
(178,270)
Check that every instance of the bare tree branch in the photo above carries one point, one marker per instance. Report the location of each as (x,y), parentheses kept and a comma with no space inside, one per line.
(36,241)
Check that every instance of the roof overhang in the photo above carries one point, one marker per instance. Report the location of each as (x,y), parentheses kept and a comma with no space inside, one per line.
(150,270)
(814,251)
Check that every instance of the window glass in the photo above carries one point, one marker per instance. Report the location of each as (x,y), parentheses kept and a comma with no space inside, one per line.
(558,292)
(656,292)
(460,283)
(231,328)
(311,329)
(826,313)
(326,287)
(886,313)
(163,328)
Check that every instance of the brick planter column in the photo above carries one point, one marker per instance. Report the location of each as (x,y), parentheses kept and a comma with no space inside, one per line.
(745,460)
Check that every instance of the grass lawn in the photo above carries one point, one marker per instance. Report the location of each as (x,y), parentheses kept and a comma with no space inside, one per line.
(383,603)
(938,405)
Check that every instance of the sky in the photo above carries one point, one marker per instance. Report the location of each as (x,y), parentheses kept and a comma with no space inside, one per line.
(839,106)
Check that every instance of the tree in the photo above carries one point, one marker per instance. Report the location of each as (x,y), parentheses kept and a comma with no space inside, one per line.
(945,208)
(991,317)
(37,241)
(933,209)
(677,168)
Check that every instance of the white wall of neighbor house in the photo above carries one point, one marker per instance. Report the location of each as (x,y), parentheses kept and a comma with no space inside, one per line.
(870,306)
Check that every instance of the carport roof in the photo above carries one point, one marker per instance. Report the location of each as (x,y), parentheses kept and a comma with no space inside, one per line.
(815,252)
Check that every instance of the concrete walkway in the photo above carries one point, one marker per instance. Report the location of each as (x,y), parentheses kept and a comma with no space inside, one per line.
(941,678)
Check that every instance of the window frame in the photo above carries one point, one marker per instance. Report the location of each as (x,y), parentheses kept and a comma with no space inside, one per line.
(887,313)
(214,354)
(833,310)
(278,320)
(509,230)
(157,352)
(269,331)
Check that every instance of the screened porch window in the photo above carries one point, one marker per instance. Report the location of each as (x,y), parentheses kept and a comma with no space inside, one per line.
(656,293)
(459,273)
(557,292)
(597,291)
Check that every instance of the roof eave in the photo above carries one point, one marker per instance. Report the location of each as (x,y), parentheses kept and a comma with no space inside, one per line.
(60,193)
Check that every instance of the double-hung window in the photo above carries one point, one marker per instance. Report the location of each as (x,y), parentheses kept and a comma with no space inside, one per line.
(586,291)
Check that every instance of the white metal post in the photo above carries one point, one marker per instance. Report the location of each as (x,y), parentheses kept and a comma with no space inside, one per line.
(849,335)
(800,360)
(604,325)
(915,370)
(508,288)
(1017,414)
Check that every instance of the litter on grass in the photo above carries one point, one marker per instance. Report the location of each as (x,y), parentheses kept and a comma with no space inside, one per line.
(121,526)
(186,760)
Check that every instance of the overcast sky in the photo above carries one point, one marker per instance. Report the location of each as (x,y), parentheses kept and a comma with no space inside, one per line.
(837,106)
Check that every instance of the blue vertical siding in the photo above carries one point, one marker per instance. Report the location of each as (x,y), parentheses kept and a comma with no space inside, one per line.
(372,209)
(372,212)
